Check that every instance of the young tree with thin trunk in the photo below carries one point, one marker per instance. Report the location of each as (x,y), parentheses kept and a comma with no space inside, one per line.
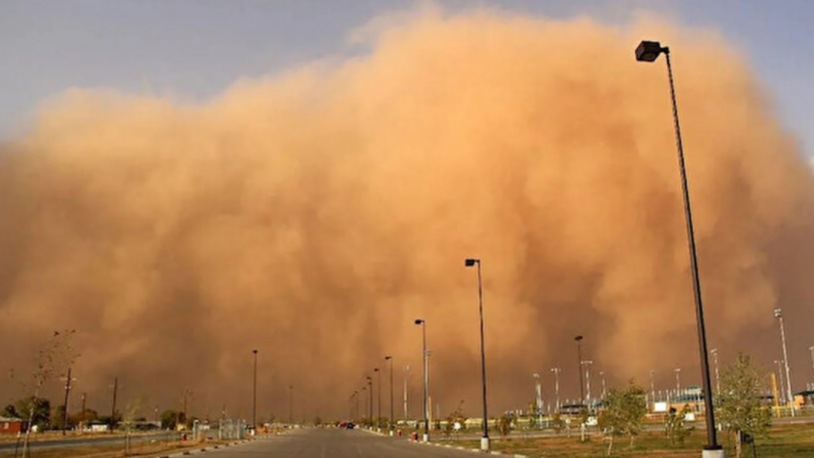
(739,406)
(624,413)
(57,353)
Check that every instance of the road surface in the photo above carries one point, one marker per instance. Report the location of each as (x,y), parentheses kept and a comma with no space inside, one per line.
(336,443)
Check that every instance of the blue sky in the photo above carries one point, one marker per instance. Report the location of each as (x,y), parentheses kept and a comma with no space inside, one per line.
(196,48)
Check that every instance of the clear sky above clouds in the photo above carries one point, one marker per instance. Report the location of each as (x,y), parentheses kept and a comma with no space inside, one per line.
(196,48)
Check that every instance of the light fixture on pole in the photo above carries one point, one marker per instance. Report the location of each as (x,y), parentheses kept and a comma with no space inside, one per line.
(423,324)
(649,51)
(484,441)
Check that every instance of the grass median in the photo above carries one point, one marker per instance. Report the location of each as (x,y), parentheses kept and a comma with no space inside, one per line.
(782,442)
(111,450)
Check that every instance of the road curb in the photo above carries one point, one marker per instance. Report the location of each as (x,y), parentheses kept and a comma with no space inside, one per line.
(475,450)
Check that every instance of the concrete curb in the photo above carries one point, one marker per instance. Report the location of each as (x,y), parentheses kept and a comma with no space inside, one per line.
(205,449)
(475,450)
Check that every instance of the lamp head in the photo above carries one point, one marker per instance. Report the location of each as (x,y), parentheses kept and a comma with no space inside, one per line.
(387,358)
(471,262)
(578,338)
(419,321)
(648,51)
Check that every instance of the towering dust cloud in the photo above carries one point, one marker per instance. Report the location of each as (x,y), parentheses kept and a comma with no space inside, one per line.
(314,214)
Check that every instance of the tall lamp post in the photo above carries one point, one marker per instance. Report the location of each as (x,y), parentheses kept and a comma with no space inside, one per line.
(714,352)
(390,420)
(782,397)
(254,395)
(423,324)
(556,371)
(578,339)
(587,363)
(648,51)
(370,402)
(538,391)
(811,349)
(291,405)
(379,401)
(484,442)
(789,395)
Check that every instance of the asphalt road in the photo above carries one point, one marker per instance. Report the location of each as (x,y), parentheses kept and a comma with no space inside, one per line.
(336,443)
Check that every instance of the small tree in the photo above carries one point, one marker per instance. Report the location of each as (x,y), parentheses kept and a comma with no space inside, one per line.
(738,405)
(624,413)
(57,353)
(675,427)
(557,422)
(10,411)
(505,425)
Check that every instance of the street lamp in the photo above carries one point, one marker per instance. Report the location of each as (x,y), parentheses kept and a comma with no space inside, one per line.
(379,401)
(364,389)
(587,364)
(714,352)
(390,420)
(782,397)
(648,51)
(254,395)
(652,387)
(370,404)
(604,390)
(789,395)
(578,339)
(556,371)
(811,349)
(484,442)
(291,405)
(678,382)
(539,392)
(423,324)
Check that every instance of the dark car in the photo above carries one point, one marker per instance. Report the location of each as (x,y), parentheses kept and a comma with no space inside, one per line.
(350,425)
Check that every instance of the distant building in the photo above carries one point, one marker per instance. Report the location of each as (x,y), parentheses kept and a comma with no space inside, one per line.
(11,425)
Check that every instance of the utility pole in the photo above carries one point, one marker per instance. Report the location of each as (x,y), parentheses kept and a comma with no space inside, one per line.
(556,371)
(65,404)
(652,386)
(291,404)
(113,411)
